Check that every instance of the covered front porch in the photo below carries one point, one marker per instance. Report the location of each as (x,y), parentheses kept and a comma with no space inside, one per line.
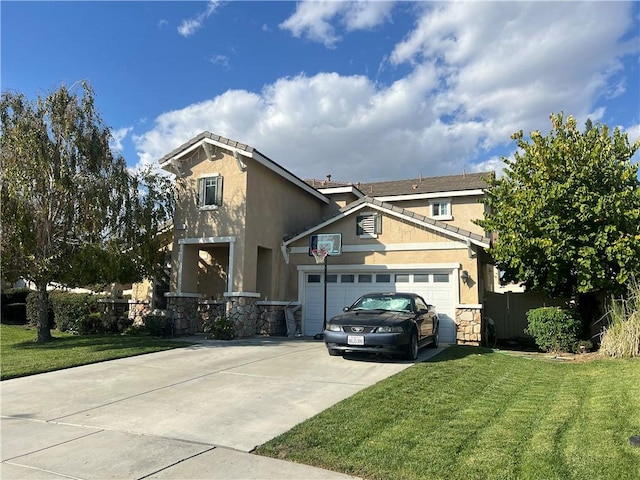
(209,283)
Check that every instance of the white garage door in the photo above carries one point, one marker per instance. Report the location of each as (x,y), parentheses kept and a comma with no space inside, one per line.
(436,287)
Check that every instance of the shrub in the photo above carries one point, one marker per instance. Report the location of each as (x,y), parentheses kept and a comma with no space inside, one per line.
(90,325)
(158,325)
(220,328)
(621,338)
(71,309)
(554,329)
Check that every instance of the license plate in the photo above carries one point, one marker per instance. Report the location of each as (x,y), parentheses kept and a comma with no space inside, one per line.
(355,340)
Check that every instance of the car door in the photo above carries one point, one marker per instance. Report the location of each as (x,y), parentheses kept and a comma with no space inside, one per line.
(426,319)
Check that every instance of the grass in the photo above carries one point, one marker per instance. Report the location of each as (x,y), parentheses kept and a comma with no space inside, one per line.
(21,356)
(472,413)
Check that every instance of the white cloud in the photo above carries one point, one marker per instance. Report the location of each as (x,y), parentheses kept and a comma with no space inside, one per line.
(190,26)
(312,19)
(117,136)
(479,71)
(221,60)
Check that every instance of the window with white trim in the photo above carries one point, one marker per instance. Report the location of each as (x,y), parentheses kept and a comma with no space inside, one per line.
(369,225)
(210,191)
(440,209)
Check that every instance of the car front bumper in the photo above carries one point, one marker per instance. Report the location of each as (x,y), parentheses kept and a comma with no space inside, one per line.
(371,342)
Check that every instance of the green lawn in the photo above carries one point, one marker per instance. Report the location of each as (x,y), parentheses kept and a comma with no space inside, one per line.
(21,356)
(472,413)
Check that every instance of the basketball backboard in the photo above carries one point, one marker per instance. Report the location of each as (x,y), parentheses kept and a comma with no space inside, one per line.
(332,242)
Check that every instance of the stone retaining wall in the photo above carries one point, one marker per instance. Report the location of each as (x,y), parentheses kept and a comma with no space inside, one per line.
(469,325)
(249,315)
(243,311)
(271,319)
(183,310)
(114,308)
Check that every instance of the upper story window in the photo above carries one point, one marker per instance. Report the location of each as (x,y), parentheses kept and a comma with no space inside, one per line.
(441,209)
(210,191)
(369,225)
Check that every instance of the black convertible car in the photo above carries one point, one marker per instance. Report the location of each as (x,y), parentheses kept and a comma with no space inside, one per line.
(395,323)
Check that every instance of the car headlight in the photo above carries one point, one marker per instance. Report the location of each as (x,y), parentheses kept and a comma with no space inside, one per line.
(388,329)
(334,328)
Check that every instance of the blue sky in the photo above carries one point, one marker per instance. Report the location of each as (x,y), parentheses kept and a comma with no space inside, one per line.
(364,91)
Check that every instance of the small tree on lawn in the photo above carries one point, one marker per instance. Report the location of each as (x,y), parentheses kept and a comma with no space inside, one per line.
(567,212)
(72,212)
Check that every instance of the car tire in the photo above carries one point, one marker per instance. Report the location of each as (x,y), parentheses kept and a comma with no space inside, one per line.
(413,347)
(334,353)
(436,340)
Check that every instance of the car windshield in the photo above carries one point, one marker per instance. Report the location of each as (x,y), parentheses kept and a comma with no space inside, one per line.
(383,302)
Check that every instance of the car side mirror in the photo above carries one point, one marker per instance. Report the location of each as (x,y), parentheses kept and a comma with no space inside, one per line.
(345,309)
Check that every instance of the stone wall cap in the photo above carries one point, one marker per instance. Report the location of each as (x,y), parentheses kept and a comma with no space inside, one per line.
(183,295)
(477,306)
(242,294)
(277,303)
(211,302)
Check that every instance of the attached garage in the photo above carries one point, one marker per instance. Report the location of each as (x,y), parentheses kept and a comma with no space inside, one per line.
(438,286)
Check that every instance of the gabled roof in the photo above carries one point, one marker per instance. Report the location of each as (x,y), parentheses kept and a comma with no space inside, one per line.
(236,148)
(393,210)
(412,186)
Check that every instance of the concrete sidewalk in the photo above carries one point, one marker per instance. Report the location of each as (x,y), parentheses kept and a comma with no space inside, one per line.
(190,413)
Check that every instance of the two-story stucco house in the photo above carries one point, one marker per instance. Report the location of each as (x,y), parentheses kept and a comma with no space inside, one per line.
(243,224)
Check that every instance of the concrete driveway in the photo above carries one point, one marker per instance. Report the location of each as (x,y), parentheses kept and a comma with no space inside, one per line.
(193,412)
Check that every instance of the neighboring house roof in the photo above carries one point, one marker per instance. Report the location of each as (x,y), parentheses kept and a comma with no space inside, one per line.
(393,210)
(239,149)
(413,186)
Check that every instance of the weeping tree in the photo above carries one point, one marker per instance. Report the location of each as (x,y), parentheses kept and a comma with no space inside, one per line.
(72,212)
(566,213)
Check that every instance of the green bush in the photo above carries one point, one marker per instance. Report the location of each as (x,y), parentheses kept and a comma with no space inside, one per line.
(158,325)
(621,338)
(90,325)
(220,328)
(71,309)
(554,329)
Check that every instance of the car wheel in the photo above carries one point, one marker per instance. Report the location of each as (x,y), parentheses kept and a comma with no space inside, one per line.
(436,340)
(334,353)
(412,348)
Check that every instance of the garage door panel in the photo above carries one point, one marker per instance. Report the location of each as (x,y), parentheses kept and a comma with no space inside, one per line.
(341,294)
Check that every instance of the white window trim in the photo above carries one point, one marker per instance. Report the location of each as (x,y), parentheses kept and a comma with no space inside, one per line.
(440,201)
(202,177)
(369,214)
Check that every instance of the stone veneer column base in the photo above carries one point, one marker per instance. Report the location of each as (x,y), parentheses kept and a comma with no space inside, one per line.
(183,308)
(242,309)
(469,324)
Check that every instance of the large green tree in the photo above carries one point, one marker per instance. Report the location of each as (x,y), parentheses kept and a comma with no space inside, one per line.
(566,212)
(72,211)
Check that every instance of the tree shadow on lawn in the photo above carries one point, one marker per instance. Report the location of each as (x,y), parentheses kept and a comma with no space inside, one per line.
(101,343)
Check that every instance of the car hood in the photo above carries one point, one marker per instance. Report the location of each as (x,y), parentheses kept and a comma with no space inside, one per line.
(371,317)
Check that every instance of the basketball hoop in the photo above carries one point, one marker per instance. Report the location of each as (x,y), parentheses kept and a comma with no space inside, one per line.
(319,254)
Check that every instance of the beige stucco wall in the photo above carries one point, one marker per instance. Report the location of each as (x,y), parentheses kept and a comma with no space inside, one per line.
(398,232)
(463,210)
(258,207)
(276,207)
(193,222)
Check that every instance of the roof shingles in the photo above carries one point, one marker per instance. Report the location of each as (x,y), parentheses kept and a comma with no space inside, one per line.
(413,186)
